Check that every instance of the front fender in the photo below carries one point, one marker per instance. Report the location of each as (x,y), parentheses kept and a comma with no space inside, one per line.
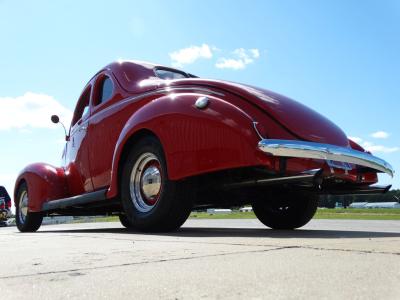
(195,141)
(45,182)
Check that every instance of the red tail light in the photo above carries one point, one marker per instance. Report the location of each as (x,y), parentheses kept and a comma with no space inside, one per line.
(8,204)
(2,204)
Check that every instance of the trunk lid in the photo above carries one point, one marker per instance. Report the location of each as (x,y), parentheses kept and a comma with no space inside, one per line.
(300,120)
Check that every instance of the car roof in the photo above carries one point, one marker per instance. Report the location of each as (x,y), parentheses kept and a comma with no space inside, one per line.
(130,73)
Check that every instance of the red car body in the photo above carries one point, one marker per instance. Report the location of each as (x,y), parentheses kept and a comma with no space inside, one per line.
(197,141)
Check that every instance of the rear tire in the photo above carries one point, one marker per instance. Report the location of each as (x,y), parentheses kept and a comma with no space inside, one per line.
(285,210)
(151,201)
(26,221)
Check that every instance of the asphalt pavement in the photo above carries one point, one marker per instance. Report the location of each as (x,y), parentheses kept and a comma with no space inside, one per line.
(211,259)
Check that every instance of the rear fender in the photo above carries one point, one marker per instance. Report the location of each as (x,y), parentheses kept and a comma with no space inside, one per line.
(44,182)
(195,141)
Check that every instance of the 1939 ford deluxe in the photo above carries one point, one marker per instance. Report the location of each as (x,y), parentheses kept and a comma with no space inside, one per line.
(150,143)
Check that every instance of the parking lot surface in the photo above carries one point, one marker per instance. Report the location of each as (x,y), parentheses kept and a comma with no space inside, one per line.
(217,259)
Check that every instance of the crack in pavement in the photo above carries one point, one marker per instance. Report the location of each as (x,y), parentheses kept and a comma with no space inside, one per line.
(288,246)
(142,263)
(236,244)
(275,248)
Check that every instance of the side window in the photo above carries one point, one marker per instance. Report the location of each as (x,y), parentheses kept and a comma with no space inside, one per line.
(82,107)
(105,90)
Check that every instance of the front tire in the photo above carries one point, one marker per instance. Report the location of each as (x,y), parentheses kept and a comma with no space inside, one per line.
(26,221)
(125,222)
(285,210)
(151,201)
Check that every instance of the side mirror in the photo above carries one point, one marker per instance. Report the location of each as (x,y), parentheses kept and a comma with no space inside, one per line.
(55,119)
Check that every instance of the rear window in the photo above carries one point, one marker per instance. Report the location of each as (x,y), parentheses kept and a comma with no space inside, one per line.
(170,74)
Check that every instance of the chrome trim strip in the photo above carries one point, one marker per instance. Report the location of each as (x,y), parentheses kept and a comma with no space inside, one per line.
(256,129)
(302,149)
(167,90)
(164,90)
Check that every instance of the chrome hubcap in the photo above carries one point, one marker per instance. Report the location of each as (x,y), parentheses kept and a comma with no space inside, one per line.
(151,182)
(145,182)
(23,206)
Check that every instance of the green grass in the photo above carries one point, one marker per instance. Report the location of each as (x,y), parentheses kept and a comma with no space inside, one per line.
(233,215)
(340,213)
(358,214)
(98,219)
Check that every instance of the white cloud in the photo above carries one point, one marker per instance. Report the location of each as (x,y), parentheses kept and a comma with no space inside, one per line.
(378,148)
(190,55)
(372,147)
(255,52)
(369,146)
(242,57)
(380,135)
(355,139)
(31,110)
(229,63)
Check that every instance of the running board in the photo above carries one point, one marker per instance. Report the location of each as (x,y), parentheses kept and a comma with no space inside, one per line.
(75,200)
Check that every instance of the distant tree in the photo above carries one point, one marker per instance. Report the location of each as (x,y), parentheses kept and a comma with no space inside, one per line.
(327,201)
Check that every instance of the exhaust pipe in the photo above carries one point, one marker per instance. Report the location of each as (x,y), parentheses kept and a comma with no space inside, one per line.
(310,177)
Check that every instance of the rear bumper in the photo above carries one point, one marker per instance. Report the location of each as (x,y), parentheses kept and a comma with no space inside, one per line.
(302,149)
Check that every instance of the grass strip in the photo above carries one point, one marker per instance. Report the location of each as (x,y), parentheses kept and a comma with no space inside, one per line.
(340,214)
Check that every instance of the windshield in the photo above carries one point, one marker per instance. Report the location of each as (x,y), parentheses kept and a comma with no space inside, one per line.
(169,74)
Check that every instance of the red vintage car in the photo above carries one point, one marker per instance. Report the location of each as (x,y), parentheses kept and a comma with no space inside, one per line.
(150,143)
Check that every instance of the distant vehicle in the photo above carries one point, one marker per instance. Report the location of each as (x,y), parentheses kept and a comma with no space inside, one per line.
(246,209)
(375,205)
(5,206)
(219,211)
(338,205)
(383,205)
(150,143)
(358,205)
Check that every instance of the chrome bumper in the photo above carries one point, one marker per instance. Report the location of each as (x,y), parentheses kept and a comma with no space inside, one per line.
(301,149)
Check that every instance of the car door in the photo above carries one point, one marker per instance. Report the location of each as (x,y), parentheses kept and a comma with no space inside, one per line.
(77,166)
(106,122)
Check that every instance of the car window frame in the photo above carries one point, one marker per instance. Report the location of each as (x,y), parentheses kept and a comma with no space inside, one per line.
(96,89)
(87,92)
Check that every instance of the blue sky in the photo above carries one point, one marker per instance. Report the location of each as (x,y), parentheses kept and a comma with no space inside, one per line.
(339,57)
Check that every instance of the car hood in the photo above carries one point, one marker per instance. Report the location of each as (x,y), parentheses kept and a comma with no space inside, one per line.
(300,120)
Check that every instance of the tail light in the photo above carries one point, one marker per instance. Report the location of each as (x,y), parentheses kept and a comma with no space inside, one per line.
(2,203)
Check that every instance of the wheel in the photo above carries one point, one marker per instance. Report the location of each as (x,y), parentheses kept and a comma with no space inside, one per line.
(26,221)
(125,222)
(286,210)
(150,200)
